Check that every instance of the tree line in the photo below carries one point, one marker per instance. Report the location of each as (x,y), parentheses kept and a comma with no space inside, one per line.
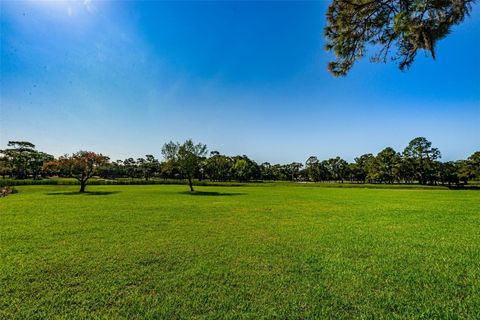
(419,163)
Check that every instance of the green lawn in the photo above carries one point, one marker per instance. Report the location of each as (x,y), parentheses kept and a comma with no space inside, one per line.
(266,251)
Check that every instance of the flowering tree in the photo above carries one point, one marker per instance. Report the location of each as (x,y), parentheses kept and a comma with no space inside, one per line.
(81,166)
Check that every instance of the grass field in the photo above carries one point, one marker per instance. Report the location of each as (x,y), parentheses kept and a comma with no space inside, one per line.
(266,251)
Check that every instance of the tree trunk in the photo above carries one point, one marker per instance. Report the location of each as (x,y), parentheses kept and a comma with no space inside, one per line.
(190,184)
(82,186)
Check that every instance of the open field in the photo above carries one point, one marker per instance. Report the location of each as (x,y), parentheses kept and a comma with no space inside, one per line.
(274,251)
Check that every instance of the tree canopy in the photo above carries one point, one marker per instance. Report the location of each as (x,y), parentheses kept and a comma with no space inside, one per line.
(187,156)
(402,26)
(81,166)
(21,160)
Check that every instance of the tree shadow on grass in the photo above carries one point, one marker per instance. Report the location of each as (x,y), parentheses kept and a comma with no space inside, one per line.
(86,193)
(211,193)
(467,187)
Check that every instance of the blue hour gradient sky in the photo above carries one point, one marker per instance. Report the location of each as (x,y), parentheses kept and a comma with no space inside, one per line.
(122,78)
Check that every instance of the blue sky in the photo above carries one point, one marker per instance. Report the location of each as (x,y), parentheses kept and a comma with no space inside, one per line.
(122,78)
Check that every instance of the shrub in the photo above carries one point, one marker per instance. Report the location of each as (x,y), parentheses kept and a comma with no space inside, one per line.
(5,191)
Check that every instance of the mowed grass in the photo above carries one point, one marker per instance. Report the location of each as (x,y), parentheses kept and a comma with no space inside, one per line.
(251,252)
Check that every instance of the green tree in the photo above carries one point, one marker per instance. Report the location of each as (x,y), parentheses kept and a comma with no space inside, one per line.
(187,156)
(280,172)
(448,172)
(359,169)
(245,169)
(473,163)
(23,160)
(112,170)
(218,167)
(422,156)
(294,170)
(148,167)
(312,167)
(266,171)
(130,167)
(36,161)
(384,168)
(240,169)
(408,25)
(406,170)
(5,167)
(18,156)
(170,153)
(337,169)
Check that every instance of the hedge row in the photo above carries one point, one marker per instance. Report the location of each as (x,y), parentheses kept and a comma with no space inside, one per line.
(121,181)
